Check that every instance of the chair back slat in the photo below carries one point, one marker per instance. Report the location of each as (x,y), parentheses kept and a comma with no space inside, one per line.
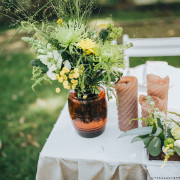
(153,51)
(149,47)
(157,42)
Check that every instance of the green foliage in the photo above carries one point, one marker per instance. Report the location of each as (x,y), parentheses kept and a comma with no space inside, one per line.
(158,131)
(138,131)
(103,35)
(38,77)
(177,149)
(168,141)
(154,147)
(70,10)
(147,140)
(38,63)
(69,34)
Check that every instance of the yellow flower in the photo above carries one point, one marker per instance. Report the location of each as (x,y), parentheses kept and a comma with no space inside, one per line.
(57,76)
(62,73)
(80,72)
(76,70)
(60,79)
(88,46)
(75,82)
(76,75)
(85,96)
(65,84)
(68,87)
(58,90)
(71,76)
(72,81)
(82,67)
(103,26)
(60,21)
(73,87)
(66,70)
(64,77)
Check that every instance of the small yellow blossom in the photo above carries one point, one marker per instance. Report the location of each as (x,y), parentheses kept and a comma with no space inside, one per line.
(64,77)
(68,87)
(58,90)
(76,75)
(85,96)
(76,70)
(71,76)
(82,67)
(73,87)
(62,73)
(65,83)
(88,46)
(60,79)
(60,21)
(72,81)
(66,70)
(103,26)
(57,76)
(75,82)
(80,72)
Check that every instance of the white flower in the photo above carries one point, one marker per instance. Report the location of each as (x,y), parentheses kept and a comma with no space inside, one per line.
(59,62)
(177,143)
(49,46)
(41,51)
(156,109)
(175,131)
(49,55)
(159,114)
(51,74)
(67,64)
(43,57)
(114,42)
(56,55)
(44,60)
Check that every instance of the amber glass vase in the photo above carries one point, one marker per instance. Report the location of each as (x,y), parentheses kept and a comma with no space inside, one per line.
(88,115)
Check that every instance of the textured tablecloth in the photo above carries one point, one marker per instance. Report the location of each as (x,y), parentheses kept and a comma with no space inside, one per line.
(67,156)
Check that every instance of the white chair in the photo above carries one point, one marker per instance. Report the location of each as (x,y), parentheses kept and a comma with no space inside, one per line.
(151,47)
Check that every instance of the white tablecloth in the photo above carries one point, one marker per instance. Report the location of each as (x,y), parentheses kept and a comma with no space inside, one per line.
(67,156)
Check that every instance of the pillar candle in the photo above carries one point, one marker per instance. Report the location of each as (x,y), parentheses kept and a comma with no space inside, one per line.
(127,93)
(159,87)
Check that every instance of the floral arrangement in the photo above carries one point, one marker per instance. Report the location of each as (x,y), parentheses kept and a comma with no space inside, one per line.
(68,51)
(162,133)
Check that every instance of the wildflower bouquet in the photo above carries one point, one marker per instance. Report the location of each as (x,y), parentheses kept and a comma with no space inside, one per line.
(162,134)
(68,51)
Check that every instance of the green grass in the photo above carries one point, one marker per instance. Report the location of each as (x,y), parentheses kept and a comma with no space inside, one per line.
(26,117)
(141,13)
(173,61)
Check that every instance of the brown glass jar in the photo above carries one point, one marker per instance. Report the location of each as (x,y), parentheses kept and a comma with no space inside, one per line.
(89,115)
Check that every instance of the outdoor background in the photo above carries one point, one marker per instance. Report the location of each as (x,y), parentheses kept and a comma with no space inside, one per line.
(27,117)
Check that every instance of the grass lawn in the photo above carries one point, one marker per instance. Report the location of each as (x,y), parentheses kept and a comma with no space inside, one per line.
(26,117)
(173,61)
